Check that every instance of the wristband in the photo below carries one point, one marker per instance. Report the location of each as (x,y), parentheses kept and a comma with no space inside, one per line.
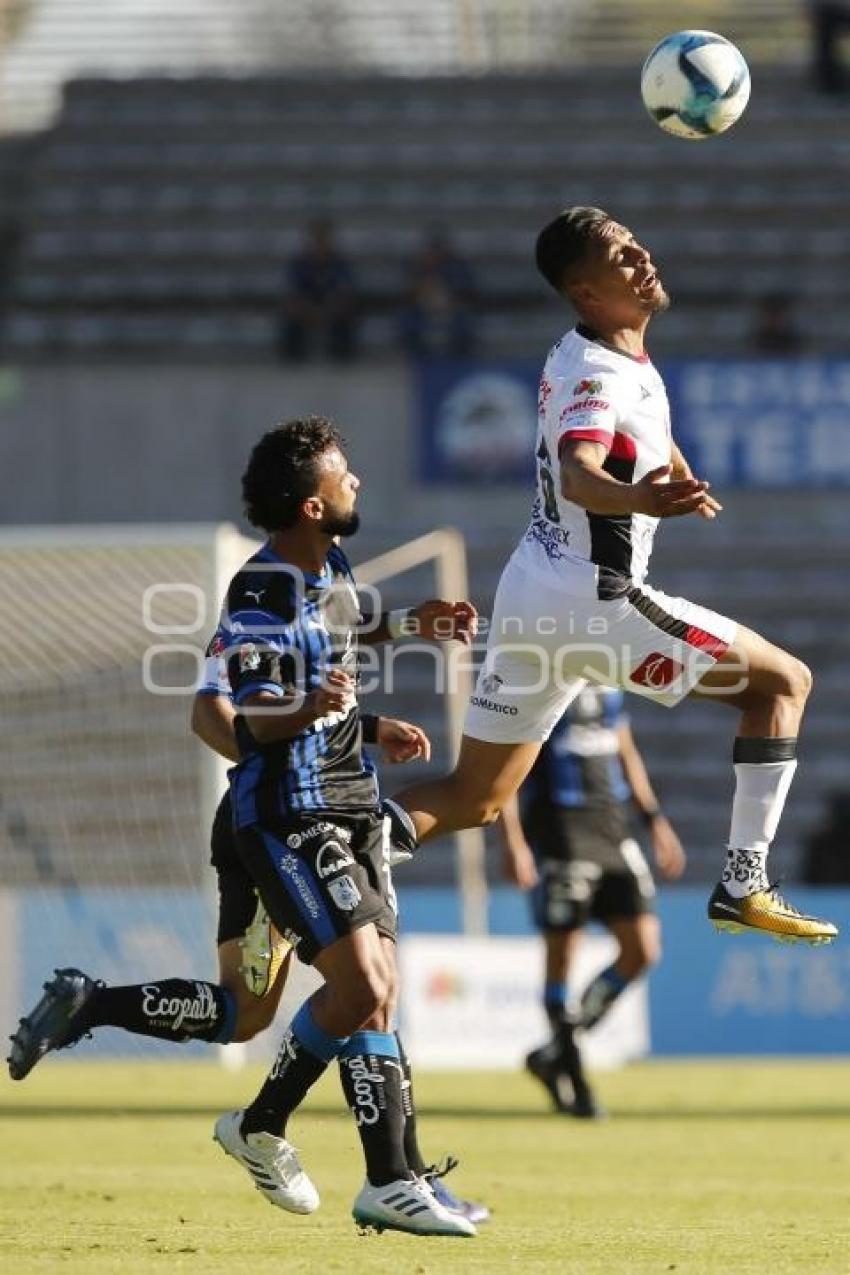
(649,815)
(398,622)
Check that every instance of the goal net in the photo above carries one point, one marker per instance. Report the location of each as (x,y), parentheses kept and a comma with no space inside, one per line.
(106,797)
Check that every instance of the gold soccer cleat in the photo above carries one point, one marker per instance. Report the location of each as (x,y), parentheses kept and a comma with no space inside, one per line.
(766,910)
(263,952)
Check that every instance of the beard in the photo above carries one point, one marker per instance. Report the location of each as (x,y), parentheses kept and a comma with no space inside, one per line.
(341,524)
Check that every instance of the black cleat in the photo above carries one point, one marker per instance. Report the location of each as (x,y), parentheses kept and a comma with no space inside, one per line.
(51,1024)
(585,1104)
(558,1068)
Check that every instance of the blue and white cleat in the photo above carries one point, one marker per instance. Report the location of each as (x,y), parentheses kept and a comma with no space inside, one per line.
(55,1023)
(272,1163)
(406,1205)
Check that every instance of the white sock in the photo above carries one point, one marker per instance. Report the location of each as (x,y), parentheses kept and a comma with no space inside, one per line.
(760,792)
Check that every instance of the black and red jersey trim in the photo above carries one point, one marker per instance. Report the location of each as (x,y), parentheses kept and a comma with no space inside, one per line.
(699,638)
(611,534)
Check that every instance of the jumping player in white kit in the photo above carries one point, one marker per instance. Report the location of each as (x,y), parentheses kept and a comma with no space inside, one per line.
(572,605)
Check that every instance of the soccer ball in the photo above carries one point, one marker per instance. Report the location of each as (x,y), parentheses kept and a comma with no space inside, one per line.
(695,84)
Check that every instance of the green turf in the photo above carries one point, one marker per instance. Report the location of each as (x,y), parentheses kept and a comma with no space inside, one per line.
(702,1168)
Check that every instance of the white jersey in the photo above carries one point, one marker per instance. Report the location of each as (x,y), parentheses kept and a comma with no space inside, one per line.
(589,391)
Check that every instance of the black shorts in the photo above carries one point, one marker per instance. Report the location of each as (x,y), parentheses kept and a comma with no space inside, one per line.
(237,893)
(589,868)
(321,877)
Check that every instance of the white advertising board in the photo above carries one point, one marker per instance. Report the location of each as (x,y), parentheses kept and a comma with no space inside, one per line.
(476,1002)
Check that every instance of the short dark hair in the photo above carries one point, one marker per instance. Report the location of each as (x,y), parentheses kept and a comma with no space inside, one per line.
(563,244)
(283,470)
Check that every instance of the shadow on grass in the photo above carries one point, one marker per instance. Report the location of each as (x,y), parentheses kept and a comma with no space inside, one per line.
(58,1111)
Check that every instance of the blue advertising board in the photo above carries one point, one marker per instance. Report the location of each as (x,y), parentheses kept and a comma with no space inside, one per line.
(747,423)
(121,936)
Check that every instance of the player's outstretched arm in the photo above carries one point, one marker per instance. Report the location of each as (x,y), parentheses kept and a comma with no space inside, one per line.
(586,483)
(435,620)
(679,468)
(402,741)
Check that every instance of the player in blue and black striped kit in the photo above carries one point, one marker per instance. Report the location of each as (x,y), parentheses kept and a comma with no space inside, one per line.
(309,828)
(567,839)
(310,836)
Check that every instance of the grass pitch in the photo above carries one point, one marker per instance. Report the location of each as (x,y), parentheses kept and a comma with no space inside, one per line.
(702,1168)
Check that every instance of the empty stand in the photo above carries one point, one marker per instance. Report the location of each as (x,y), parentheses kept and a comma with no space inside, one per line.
(159,212)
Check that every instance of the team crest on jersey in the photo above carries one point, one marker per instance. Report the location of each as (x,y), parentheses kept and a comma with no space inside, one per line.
(587,387)
(249,658)
(344,893)
(491,684)
(656,672)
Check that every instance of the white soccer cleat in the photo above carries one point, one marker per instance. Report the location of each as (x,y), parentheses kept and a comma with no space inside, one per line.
(271,1162)
(406,1206)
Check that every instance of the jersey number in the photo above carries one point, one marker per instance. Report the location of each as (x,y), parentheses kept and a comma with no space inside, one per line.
(547,483)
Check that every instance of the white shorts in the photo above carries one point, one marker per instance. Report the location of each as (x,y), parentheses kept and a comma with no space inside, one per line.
(545,644)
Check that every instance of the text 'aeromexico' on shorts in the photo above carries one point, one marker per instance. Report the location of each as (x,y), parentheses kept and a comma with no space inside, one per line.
(545,644)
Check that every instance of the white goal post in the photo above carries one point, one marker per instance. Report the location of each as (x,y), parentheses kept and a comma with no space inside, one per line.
(446,548)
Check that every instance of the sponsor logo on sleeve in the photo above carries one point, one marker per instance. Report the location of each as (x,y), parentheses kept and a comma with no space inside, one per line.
(586,387)
(656,672)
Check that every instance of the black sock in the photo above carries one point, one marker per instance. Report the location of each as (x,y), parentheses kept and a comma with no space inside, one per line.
(303,1057)
(600,995)
(412,1154)
(371,1077)
(176,1009)
(555,1003)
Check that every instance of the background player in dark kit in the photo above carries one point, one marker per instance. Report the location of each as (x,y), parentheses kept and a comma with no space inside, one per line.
(567,839)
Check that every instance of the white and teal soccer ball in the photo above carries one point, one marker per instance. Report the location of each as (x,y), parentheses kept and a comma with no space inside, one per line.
(695,84)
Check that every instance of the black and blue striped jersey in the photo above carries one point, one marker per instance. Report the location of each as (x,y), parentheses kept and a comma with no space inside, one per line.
(279,630)
(579,766)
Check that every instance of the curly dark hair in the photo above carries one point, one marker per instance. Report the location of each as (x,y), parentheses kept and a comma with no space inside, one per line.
(283,471)
(562,244)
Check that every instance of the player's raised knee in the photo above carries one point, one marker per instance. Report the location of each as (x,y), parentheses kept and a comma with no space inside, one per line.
(798,678)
